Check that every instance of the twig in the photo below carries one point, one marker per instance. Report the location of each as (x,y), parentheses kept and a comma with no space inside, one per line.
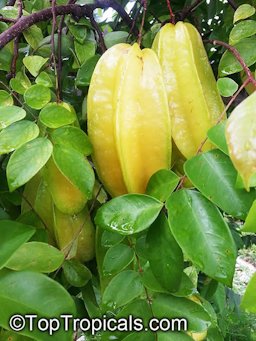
(16,45)
(7,20)
(76,10)
(172,16)
(99,33)
(59,55)
(233,98)
(13,93)
(53,57)
(187,10)
(237,55)
(142,21)
(233,4)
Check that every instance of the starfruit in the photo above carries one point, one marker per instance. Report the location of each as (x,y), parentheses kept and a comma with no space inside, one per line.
(241,139)
(194,102)
(67,198)
(128,119)
(75,234)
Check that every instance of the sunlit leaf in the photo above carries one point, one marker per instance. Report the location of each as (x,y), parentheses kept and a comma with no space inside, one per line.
(16,135)
(128,214)
(27,160)
(10,114)
(243,12)
(34,100)
(226,86)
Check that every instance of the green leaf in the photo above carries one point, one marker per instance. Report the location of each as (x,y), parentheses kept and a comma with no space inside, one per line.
(55,115)
(79,32)
(10,114)
(13,235)
(33,36)
(45,297)
(5,98)
(122,289)
(34,64)
(6,57)
(229,64)
(128,214)
(226,86)
(37,96)
(217,136)
(84,74)
(26,161)
(20,83)
(243,12)
(117,258)
(217,166)
(250,223)
(72,137)
(110,238)
(203,235)
(242,30)
(249,299)
(162,184)
(85,50)
(36,256)
(167,306)
(44,79)
(150,281)
(164,254)
(113,38)
(16,135)
(77,274)
(240,135)
(76,168)
(173,336)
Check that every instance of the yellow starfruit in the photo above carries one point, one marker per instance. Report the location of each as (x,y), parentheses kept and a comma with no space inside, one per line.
(194,102)
(67,198)
(128,119)
(75,234)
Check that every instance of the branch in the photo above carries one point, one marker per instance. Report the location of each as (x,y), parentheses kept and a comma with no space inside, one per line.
(76,10)
(145,5)
(172,16)
(99,33)
(233,4)
(237,55)
(187,10)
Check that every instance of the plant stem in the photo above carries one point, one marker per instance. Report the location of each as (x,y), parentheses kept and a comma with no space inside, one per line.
(76,10)
(142,21)
(187,10)
(172,16)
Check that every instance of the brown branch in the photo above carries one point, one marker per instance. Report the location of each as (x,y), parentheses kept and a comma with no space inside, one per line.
(7,20)
(233,98)
(11,2)
(76,10)
(172,16)
(97,29)
(142,21)
(189,9)
(16,45)
(237,55)
(233,4)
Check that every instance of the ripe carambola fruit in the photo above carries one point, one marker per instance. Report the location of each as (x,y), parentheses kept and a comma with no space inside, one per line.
(75,234)
(67,198)
(194,102)
(128,119)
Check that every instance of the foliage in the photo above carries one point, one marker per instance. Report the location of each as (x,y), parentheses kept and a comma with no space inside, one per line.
(66,246)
